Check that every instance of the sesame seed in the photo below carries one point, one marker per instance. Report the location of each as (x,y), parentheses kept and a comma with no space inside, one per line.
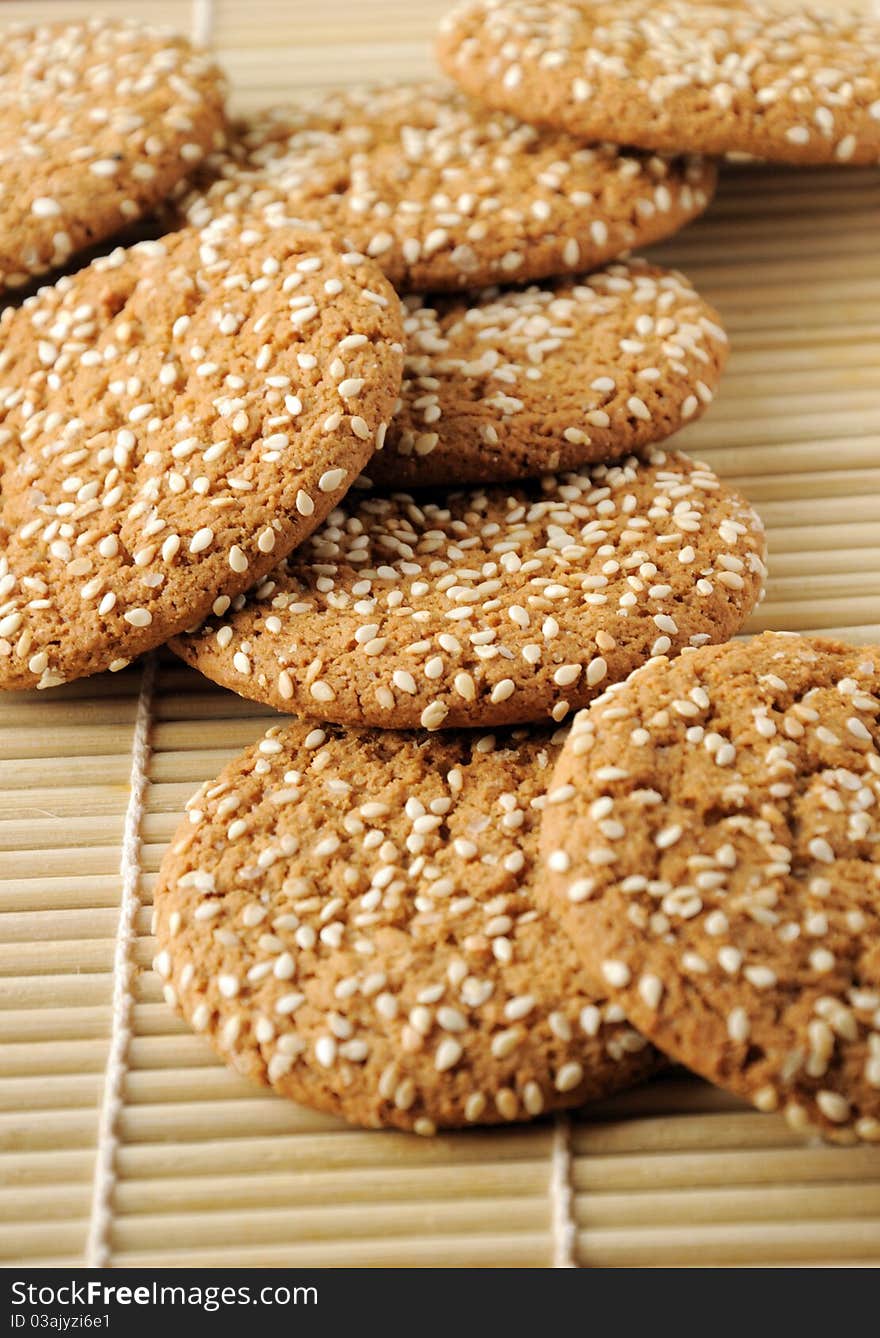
(533,1098)
(650,989)
(568,1077)
(766,1099)
(43,206)
(729,959)
(581,889)
(447,1055)
(597,670)
(668,836)
(738,1026)
(325,1051)
(821,850)
(638,408)
(762,977)
(433,715)
(833,1106)
(201,540)
(616,973)
(331,480)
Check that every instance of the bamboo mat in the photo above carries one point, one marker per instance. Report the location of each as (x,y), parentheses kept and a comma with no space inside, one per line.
(122,1140)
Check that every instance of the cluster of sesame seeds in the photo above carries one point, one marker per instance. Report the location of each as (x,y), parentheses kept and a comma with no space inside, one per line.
(97,122)
(172,420)
(724,812)
(352,913)
(713,77)
(527,381)
(443,196)
(496,605)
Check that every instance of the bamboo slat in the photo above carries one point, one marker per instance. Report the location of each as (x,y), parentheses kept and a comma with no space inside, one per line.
(210,1170)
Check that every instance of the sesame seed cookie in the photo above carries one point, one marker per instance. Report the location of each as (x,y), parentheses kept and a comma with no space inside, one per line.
(174,419)
(98,121)
(349,918)
(518,383)
(676,76)
(712,847)
(492,606)
(445,195)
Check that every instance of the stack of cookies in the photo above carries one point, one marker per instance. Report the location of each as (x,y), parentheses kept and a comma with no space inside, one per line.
(375,431)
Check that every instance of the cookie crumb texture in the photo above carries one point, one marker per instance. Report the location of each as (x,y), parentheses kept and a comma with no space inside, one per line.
(516,383)
(496,605)
(98,122)
(712,847)
(444,194)
(348,917)
(172,420)
(673,75)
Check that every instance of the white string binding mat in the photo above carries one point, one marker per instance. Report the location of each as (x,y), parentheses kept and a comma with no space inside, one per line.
(203,21)
(561,1196)
(98,1242)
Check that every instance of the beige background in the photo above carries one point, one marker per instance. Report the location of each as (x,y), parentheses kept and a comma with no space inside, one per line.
(122,1140)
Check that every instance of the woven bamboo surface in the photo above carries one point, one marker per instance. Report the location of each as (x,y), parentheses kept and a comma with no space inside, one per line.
(122,1140)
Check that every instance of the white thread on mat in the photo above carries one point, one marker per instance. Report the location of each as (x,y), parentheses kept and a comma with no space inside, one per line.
(563,1226)
(98,1242)
(203,22)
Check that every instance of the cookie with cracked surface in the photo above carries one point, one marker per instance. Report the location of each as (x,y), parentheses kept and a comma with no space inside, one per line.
(676,76)
(98,122)
(349,917)
(445,195)
(492,606)
(172,420)
(711,846)
(516,383)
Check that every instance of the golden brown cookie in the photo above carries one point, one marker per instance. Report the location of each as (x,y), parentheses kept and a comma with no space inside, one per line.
(445,195)
(349,918)
(712,847)
(173,419)
(492,606)
(678,75)
(516,383)
(98,121)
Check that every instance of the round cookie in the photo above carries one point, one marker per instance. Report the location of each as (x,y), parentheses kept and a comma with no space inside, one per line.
(492,606)
(524,382)
(98,121)
(349,918)
(445,195)
(174,419)
(712,848)
(675,75)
